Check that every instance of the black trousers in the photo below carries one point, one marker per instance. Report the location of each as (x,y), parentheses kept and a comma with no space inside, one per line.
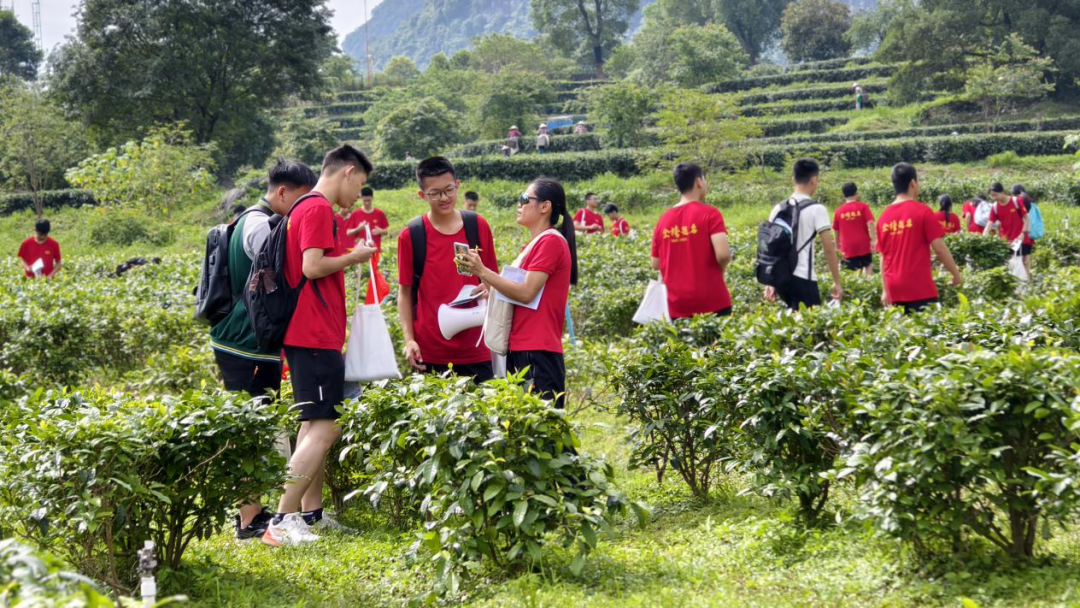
(546,373)
(799,291)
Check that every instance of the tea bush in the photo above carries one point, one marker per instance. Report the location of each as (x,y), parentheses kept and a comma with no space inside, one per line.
(90,474)
(28,579)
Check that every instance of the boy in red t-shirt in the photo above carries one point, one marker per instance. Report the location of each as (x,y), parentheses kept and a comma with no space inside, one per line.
(367,216)
(690,249)
(314,338)
(589,220)
(426,349)
(1009,218)
(949,221)
(853,224)
(907,232)
(40,254)
(619,225)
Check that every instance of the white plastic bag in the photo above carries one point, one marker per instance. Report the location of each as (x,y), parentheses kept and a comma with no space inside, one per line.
(370,355)
(654,306)
(1016,263)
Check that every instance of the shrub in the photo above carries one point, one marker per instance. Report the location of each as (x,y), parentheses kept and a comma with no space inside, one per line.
(852,74)
(1064,123)
(123,228)
(977,252)
(28,579)
(589,142)
(93,474)
(51,199)
(807,93)
(951,444)
(495,470)
(795,107)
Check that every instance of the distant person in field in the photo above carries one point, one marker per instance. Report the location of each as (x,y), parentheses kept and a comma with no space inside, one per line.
(1027,247)
(853,223)
(968,213)
(243,366)
(588,219)
(472,201)
(40,254)
(580,128)
(619,225)
(950,222)
(368,217)
(543,139)
(535,341)
(802,288)
(513,141)
(439,282)
(907,232)
(314,339)
(1009,219)
(690,249)
(860,98)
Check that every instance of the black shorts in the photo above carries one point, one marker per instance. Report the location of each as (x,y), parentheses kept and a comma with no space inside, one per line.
(799,291)
(547,372)
(479,372)
(859,262)
(318,381)
(256,378)
(916,306)
(1026,250)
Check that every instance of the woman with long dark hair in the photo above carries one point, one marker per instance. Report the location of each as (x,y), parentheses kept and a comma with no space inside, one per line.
(550,266)
(949,221)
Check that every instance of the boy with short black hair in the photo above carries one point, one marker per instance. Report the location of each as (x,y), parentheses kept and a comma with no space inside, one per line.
(690,249)
(802,288)
(438,281)
(472,201)
(907,232)
(368,216)
(243,366)
(1009,218)
(619,225)
(853,223)
(40,254)
(315,262)
(588,219)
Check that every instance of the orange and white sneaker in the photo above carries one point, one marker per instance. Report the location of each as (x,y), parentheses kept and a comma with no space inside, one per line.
(292,531)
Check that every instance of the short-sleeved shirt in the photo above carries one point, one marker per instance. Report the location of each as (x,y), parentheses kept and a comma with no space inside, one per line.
(256,230)
(682,241)
(950,225)
(905,231)
(594,222)
(441,284)
(969,209)
(314,324)
(851,223)
(620,228)
(542,329)
(375,219)
(813,221)
(1010,216)
(48,252)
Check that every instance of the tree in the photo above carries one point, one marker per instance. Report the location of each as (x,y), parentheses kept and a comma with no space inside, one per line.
(620,110)
(1014,72)
(509,98)
(814,30)
(498,52)
(340,74)
(37,143)
(594,24)
(400,71)
(305,139)
(165,171)
(19,56)
(755,23)
(689,56)
(704,129)
(422,127)
(869,27)
(218,66)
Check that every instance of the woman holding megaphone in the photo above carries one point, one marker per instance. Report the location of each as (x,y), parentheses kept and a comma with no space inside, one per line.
(526,316)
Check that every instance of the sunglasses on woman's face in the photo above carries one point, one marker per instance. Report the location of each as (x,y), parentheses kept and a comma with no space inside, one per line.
(526,199)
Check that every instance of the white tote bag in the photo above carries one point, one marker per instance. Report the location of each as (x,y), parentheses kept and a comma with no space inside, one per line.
(654,306)
(1016,262)
(370,355)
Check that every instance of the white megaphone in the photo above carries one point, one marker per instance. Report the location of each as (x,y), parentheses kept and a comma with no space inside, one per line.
(454,320)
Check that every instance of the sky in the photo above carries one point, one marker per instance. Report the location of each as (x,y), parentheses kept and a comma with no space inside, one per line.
(58,17)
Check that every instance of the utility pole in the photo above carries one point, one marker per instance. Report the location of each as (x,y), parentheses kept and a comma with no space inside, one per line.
(367,51)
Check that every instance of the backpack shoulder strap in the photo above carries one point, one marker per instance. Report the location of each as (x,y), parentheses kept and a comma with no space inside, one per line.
(418,239)
(472,228)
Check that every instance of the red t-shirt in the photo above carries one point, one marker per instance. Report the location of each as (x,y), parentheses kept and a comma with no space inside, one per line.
(851,224)
(314,324)
(969,209)
(1011,214)
(375,219)
(620,228)
(682,242)
(593,221)
(345,242)
(905,231)
(542,329)
(950,226)
(48,252)
(441,284)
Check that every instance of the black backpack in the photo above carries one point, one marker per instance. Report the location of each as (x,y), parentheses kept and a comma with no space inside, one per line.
(418,236)
(269,298)
(777,254)
(213,295)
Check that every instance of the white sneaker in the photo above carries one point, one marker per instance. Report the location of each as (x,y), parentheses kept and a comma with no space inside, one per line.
(292,531)
(330,524)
